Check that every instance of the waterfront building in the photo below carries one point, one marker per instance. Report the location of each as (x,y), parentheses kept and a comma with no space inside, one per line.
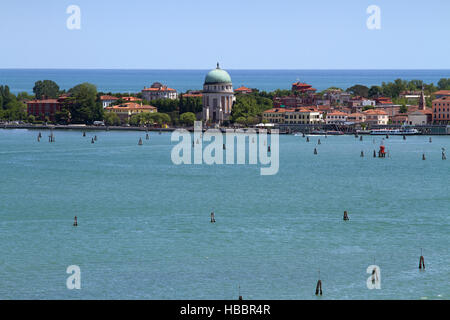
(158,91)
(107,100)
(356,117)
(420,117)
(399,119)
(274,115)
(441,110)
(336,117)
(376,116)
(218,96)
(303,115)
(126,110)
(44,108)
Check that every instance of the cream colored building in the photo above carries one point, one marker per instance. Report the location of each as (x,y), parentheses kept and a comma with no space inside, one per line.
(159,91)
(127,110)
(337,117)
(218,96)
(303,116)
(376,116)
(275,115)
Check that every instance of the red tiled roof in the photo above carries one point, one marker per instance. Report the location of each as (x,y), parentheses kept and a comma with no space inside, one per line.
(375,112)
(276,110)
(130,106)
(108,98)
(192,95)
(243,89)
(443,99)
(443,92)
(131,99)
(43,101)
(163,88)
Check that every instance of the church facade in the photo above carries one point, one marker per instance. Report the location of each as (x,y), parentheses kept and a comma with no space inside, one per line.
(218,96)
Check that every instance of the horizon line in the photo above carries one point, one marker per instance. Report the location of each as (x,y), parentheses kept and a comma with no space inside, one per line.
(255,69)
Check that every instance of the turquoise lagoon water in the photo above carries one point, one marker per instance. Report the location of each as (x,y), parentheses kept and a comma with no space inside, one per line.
(144,230)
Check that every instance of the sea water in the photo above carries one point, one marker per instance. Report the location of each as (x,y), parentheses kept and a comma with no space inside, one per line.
(144,228)
(116,80)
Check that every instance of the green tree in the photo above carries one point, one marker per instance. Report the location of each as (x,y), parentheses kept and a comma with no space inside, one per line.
(12,108)
(241,120)
(444,84)
(248,105)
(188,118)
(111,119)
(403,108)
(31,118)
(63,116)
(359,90)
(83,104)
(46,88)
(375,91)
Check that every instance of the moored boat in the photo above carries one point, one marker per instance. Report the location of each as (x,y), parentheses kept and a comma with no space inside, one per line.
(399,132)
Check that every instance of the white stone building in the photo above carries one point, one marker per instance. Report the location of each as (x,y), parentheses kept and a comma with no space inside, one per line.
(218,96)
(159,91)
(107,100)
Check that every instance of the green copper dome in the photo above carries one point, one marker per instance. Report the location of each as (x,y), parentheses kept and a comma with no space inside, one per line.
(217,76)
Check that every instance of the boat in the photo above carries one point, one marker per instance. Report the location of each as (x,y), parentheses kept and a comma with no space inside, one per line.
(334,133)
(395,132)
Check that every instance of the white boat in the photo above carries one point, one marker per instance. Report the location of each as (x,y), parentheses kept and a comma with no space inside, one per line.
(395,132)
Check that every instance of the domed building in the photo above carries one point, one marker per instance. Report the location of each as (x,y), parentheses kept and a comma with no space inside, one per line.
(218,96)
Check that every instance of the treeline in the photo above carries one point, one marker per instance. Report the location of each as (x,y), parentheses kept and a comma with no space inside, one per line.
(248,108)
(395,88)
(11,106)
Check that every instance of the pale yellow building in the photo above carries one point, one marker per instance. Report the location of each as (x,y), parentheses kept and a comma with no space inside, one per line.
(126,110)
(304,115)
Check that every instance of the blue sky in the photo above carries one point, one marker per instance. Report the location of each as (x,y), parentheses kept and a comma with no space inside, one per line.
(244,34)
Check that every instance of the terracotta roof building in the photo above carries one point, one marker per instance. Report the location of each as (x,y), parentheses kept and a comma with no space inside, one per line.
(442,93)
(107,100)
(243,89)
(159,91)
(45,108)
(376,116)
(336,117)
(303,88)
(441,110)
(126,110)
